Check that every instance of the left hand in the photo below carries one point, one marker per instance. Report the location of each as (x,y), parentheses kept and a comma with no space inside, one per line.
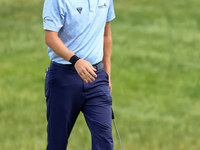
(110,85)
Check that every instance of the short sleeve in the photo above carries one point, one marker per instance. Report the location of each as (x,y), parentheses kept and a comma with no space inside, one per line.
(53,15)
(111,12)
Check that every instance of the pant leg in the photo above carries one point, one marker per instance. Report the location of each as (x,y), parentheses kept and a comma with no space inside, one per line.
(64,98)
(98,112)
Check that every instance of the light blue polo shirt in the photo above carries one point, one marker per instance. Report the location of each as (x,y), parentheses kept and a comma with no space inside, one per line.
(80,25)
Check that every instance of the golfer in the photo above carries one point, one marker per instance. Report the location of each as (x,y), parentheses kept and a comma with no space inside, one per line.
(78,36)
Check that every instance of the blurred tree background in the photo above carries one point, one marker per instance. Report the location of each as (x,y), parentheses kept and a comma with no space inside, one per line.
(155,76)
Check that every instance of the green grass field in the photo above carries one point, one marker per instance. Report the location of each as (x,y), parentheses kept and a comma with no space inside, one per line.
(155,76)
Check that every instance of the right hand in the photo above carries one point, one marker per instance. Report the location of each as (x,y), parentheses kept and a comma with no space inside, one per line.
(85,70)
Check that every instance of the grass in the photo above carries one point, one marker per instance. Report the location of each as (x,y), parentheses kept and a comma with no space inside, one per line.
(155,76)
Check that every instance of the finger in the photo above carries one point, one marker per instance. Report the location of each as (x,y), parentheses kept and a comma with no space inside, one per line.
(83,76)
(110,87)
(89,77)
(85,80)
(89,80)
(86,76)
(92,75)
(91,71)
(93,68)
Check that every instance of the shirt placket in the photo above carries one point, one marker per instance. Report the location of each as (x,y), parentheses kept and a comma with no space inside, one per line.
(92,5)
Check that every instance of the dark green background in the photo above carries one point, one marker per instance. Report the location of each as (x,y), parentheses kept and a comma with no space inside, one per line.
(155,76)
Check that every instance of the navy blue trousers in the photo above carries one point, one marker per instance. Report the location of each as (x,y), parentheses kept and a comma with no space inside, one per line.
(66,96)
